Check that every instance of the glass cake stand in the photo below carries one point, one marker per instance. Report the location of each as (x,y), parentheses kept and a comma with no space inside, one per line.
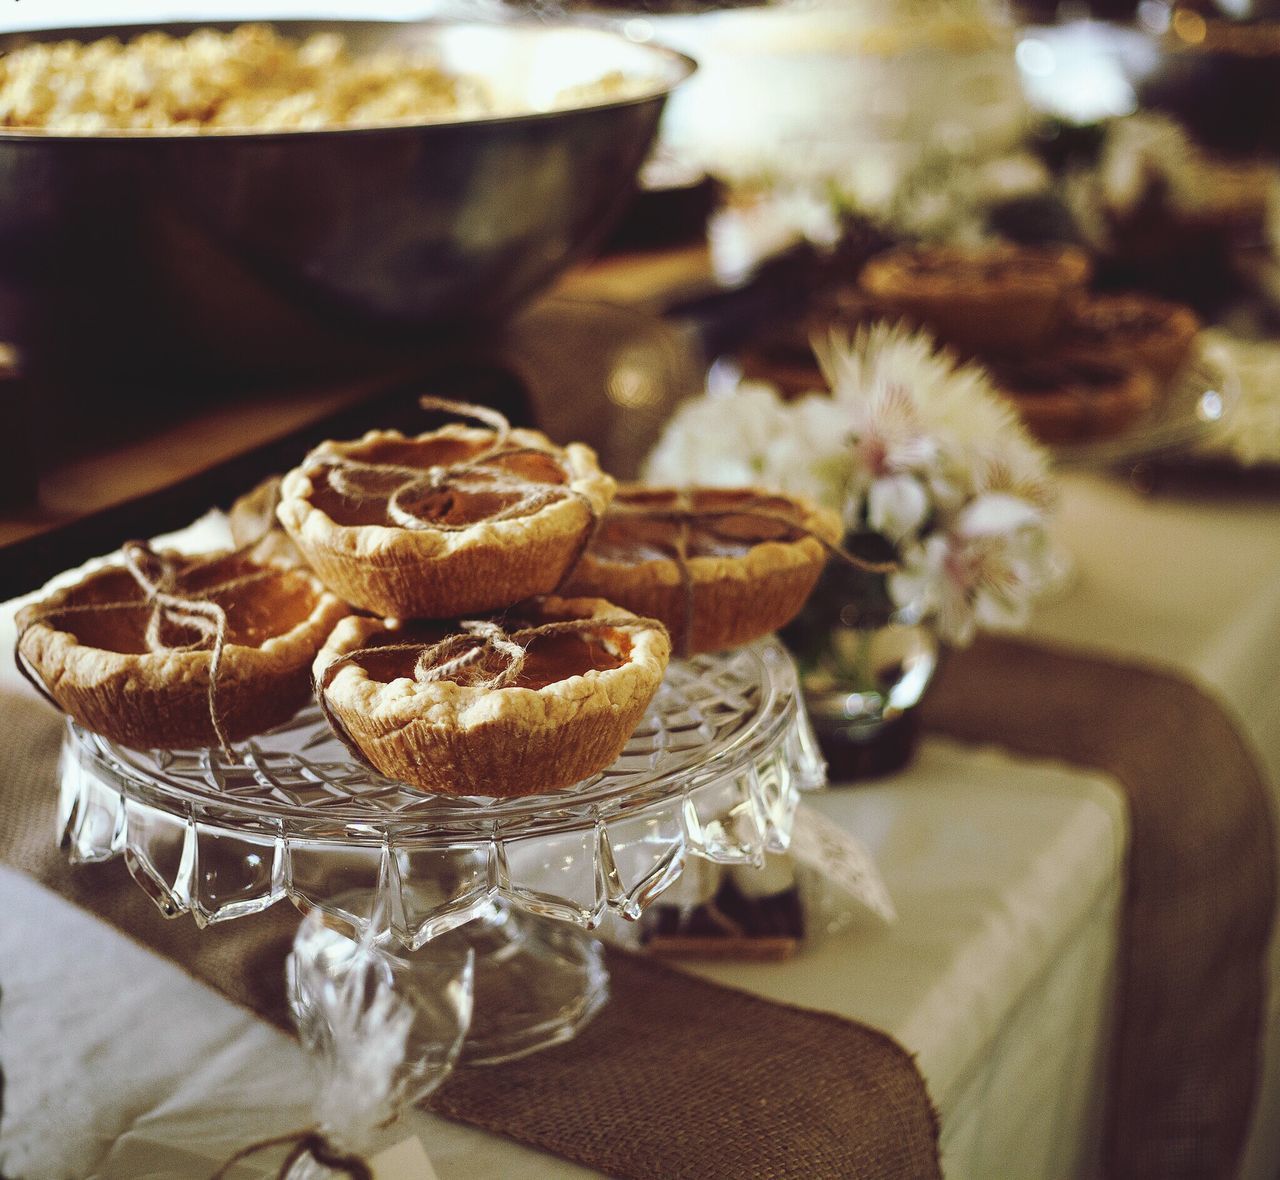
(714,770)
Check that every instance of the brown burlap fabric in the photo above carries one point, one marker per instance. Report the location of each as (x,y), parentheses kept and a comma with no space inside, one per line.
(243,959)
(675,1078)
(680,1078)
(1200,886)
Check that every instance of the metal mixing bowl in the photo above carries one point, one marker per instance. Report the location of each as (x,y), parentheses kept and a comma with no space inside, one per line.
(302,251)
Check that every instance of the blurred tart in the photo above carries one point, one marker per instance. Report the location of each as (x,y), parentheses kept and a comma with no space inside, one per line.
(720,567)
(785,360)
(1072,399)
(1003,299)
(433,706)
(453,522)
(1134,329)
(145,682)
(784,355)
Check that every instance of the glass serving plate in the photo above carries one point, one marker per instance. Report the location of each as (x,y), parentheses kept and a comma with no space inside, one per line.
(714,770)
(1201,396)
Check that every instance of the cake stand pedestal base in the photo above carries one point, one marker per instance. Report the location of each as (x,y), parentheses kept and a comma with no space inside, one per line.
(536,981)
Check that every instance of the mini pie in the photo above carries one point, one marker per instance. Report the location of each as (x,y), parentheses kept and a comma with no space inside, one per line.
(791,374)
(744,575)
(568,714)
(785,360)
(784,356)
(1004,299)
(1070,399)
(1134,329)
(470,547)
(253,522)
(97,665)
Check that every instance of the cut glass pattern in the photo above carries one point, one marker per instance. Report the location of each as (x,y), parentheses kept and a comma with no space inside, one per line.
(713,770)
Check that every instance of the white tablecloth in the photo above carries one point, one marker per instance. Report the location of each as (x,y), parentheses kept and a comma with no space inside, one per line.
(1006,874)
(1192,584)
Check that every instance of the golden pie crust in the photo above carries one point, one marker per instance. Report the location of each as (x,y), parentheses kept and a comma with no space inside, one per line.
(434,572)
(1069,400)
(783,355)
(97,666)
(571,720)
(785,359)
(1134,329)
(734,592)
(252,519)
(1002,299)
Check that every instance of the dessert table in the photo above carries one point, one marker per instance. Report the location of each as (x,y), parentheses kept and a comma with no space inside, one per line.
(1007,875)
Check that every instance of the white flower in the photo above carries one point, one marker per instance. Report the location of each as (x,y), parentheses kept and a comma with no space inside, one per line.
(717,440)
(750,230)
(869,182)
(888,433)
(1017,472)
(810,457)
(986,570)
(878,355)
(897,506)
(973,432)
(752,438)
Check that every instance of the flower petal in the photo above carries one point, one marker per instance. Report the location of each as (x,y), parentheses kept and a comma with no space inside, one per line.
(897,506)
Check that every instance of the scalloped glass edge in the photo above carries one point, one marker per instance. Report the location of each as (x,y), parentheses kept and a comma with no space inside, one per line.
(617,863)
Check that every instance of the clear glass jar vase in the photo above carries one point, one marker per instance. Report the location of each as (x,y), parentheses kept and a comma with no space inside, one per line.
(865,664)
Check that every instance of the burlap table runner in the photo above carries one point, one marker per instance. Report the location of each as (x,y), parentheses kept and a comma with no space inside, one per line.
(675,1078)
(1200,885)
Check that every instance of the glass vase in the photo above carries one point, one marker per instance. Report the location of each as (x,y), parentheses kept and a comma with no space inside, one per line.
(865,664)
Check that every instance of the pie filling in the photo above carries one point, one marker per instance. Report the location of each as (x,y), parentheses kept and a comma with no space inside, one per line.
(255,612)
(797,352)
(548,659)
(361,497)
(1001,268)
(1061,376)
(631,540)
(1102,322)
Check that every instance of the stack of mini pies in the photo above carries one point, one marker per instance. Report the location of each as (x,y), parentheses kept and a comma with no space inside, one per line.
(479,611)
(1077,365)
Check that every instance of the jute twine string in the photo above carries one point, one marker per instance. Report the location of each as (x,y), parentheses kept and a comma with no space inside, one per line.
(172,610)
(482,655)
(410,492)
(306,1141)
(686,516)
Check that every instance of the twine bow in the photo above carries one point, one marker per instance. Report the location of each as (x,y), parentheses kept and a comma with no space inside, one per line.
(686,516)
(483,654)
(174,613)
(419,498)
(306,1141)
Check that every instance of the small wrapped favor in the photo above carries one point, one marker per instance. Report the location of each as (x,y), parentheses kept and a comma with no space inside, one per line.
(818,887)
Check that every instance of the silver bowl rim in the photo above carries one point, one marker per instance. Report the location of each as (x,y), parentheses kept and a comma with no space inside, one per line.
(679,66)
